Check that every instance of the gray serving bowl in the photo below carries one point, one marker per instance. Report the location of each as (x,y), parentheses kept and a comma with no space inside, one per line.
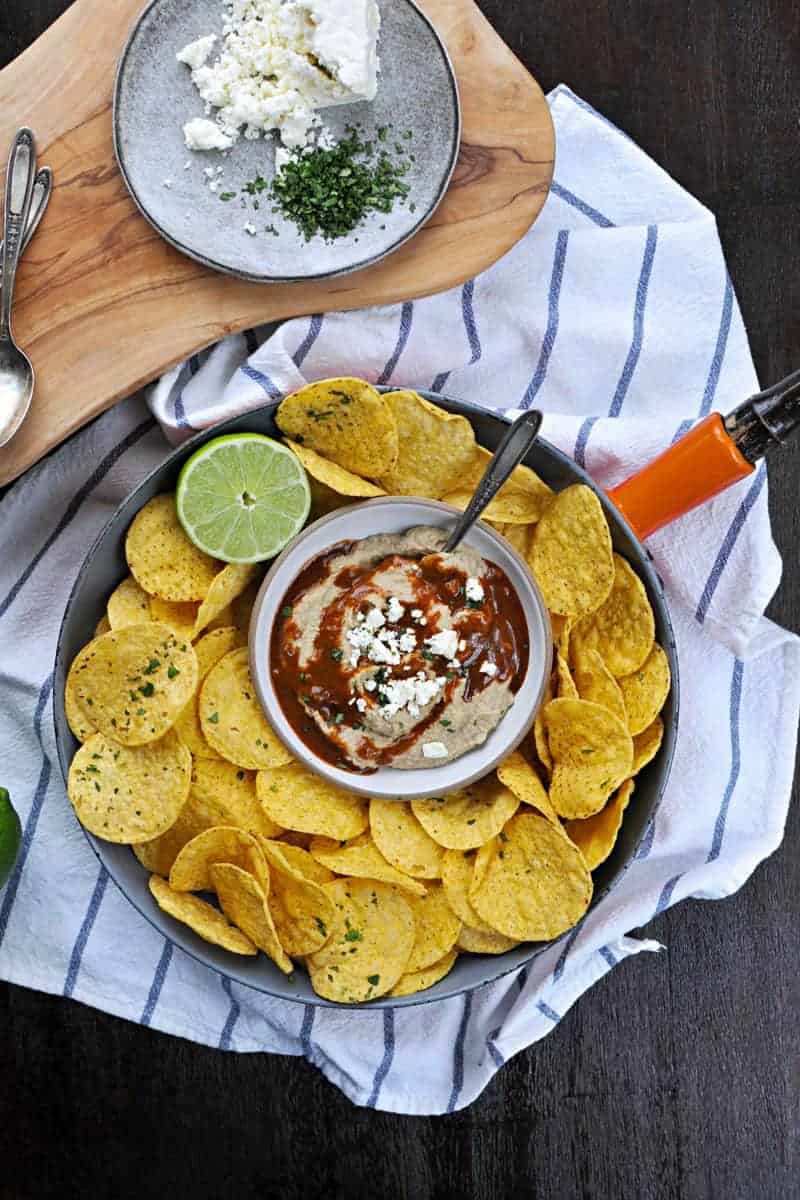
(105,566)
(396,514)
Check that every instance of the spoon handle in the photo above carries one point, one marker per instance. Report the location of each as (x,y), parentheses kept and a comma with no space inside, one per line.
(42,190)
(508,455)
(19,189)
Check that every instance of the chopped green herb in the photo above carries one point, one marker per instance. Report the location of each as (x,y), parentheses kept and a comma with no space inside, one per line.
(337,655)
(286,611)
(225,196)
(338,718)
(147,689)
(214,718)
(172,671)
(321,926)
(153,665)
(373,980)
(354,935)
(445,723)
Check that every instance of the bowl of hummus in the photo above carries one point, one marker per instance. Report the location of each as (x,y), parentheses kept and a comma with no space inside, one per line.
(394,669)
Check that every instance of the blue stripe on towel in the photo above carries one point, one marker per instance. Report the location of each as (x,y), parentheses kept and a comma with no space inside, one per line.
(638,322)
(554,296)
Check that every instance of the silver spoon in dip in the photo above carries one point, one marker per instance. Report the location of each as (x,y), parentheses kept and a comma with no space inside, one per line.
(508,455)
(16,371)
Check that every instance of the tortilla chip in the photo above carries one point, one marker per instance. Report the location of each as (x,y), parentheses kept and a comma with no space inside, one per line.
(132,683)
(301,909)
(370,943)
(646,745)
(457,871)
(418,981)
(592,755)
(102,626)
(226,795)
(243,606)
(129,794)
(225,587)
(595,836)
(202,918)
(162,559)
(517,774)
(81,726)
(535,884)
(179,617)
(360,858)
(232,719)
(402,840)
(565,684)
(298,799)
(345,420)
(645,691)
(336,479)
(244,903)
(519,536)
(571,557)
(522,499)
(209,649)
(436,928)
(301,861)
(562,627)
(128,604)
(622,630)
(436,448)
(480,941)
(595,682)
(191,871)
(466,819)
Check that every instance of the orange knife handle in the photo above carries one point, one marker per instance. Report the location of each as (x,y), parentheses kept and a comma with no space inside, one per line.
(702,463)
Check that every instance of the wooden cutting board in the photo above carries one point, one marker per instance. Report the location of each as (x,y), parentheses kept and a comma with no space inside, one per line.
(103,305)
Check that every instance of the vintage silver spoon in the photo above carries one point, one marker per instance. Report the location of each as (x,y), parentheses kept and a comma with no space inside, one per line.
(508,455)
(42,190)
(16,372)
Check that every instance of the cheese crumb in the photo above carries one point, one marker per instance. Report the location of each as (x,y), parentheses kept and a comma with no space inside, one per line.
(434,750)
(196,53)
(201,134)
(444,643)
(488,668)
(474,591)
(395,610)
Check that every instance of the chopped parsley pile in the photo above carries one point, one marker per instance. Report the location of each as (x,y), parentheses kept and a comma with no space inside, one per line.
(329,192)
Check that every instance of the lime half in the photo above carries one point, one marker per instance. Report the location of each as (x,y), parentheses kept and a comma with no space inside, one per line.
(10,835)
(242,497)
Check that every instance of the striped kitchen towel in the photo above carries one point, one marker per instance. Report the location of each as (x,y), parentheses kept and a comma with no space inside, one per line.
(617,317)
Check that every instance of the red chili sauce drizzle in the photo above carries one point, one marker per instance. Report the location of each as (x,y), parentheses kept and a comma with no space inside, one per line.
(495,631)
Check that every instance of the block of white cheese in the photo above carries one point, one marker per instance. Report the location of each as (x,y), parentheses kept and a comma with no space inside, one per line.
(281,60)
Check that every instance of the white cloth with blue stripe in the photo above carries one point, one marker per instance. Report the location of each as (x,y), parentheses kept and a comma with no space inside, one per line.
(616,316)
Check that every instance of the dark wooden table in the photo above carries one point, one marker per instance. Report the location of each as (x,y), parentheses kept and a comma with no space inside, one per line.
(677,1076)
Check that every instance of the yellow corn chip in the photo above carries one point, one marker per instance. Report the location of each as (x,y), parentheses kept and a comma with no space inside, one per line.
(595,682)
(535,884)
(160,853)
(302,910)
(360,858)
(646,745)
(301,861)
(344,420)
(645,691)
(232,719)
(162,559)
(80,725)
(243,606)
(180,617)
(520,536)
(565,683)
(370,942)
(595,836)
(457,870)
(517,774)
(132,683)
(129,794)
(191,871)
(521,500)
(298,799)
(336,479)
(480,941)
(622,630)
(225,587)
(436,448)
(592,755)
(571,557)
(465,820)
(562,627)
(205,920)
(402,840)
(226,795)
(128,604)
(436,928)
(244,903)
(102,626)
(418,981)
(539,731)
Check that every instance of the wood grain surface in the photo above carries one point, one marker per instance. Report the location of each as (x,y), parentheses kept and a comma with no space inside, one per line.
(104,305)
(676,1077)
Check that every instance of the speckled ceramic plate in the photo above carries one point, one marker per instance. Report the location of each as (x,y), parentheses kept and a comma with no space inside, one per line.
(155,96)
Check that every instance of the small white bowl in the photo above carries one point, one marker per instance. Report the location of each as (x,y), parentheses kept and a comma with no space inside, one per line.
(392,514)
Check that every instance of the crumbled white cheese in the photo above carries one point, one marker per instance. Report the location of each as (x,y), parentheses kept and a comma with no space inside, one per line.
(167,183)
(283,59)
(474,591)
(187,164)
(374,619)
(196,53)
(434,750)
(462,645)
(250,228)
(444,643)
(214,185)
(370,685)
(488,668)
(407,642)
(416,614)
(409,694)
(201,134)
(361,704)
(394,610)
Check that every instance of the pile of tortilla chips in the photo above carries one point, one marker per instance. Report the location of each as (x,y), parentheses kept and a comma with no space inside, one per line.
(253,851)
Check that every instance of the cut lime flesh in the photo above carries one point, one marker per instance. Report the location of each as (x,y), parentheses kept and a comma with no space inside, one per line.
(242,497)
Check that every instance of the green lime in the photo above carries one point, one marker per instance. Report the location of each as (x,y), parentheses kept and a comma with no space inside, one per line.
(242,497)
(10,835)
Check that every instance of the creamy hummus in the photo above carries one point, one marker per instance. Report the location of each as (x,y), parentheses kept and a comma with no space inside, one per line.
(389,652)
